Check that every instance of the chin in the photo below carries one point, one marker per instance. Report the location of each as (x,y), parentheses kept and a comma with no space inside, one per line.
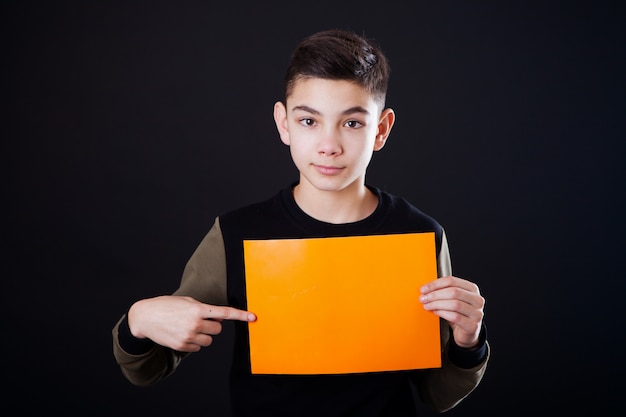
(331,185)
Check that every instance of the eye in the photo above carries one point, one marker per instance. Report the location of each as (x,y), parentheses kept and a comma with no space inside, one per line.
(353,124)
(307,121)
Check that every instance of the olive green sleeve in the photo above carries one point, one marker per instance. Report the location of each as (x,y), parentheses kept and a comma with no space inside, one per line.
(204,279)
(204,276)
(444,264)
(443,388)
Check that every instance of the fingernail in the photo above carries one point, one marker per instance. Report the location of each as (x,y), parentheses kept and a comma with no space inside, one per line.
(251,317)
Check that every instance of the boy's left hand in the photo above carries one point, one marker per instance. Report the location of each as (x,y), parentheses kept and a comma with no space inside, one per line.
(459,302)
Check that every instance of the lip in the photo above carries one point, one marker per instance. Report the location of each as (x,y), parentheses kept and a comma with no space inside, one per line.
(327,169)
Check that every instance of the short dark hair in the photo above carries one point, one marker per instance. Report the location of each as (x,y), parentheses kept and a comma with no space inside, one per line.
(340,55)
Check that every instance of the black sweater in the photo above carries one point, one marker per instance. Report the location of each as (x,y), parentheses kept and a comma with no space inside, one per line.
(368,394)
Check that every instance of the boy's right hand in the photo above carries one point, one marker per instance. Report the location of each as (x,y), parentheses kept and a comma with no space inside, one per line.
(180,323)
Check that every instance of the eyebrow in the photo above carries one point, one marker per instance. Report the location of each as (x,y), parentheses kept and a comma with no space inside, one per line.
(351,110)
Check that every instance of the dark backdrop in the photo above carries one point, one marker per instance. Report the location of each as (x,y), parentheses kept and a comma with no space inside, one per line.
(131,125)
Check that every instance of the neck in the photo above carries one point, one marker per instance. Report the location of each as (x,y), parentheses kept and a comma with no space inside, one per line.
(345,206)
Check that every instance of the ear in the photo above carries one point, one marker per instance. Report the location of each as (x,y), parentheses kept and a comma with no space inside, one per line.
(280,118)
(385,123)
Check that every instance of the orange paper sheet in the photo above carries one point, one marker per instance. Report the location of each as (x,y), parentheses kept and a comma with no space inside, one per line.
(341,305)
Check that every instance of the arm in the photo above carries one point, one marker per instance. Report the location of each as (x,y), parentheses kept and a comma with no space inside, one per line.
(157,333)
(463,337)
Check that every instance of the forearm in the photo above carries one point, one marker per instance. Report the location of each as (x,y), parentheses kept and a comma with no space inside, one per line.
(142,361)
(461,372)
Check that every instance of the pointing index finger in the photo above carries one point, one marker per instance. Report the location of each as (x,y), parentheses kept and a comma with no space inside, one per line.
(229,313)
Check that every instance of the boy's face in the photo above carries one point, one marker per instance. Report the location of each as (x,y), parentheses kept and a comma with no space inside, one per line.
(332,128)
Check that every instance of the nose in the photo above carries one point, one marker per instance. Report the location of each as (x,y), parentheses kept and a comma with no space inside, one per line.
(329,143)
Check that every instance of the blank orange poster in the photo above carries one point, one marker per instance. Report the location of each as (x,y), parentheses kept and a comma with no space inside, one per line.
(341,305)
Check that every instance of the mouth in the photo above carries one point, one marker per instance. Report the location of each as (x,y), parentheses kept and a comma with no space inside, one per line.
(328,170)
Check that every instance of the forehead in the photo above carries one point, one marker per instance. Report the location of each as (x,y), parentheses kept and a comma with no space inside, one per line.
(330,95)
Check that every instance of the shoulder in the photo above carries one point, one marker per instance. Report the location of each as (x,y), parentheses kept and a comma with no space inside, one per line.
(400,210)
(262,218)
(260,208)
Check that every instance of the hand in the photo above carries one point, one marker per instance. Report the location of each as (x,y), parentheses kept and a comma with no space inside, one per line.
(180,323)
(459,302)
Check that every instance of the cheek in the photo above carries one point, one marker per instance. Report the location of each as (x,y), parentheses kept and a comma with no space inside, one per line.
(301,145)
(360,148)
(365,159)
(297,153)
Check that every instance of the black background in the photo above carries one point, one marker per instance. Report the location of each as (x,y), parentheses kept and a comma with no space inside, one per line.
(131,125)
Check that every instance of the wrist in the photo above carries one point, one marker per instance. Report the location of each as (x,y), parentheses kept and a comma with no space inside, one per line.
(471,356)
(129,343)
(131,320)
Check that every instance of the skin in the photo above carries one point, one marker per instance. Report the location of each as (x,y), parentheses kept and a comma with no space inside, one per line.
(459,302)
(332,129)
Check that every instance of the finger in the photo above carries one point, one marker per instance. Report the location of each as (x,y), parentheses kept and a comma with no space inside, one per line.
(466,331)
(200,341)
(209,327)
(453,310)
(228,313)
(444,282)
(454,294)
(203,340)
(449,281)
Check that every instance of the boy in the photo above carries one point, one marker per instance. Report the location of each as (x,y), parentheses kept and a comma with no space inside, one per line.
(333,119)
